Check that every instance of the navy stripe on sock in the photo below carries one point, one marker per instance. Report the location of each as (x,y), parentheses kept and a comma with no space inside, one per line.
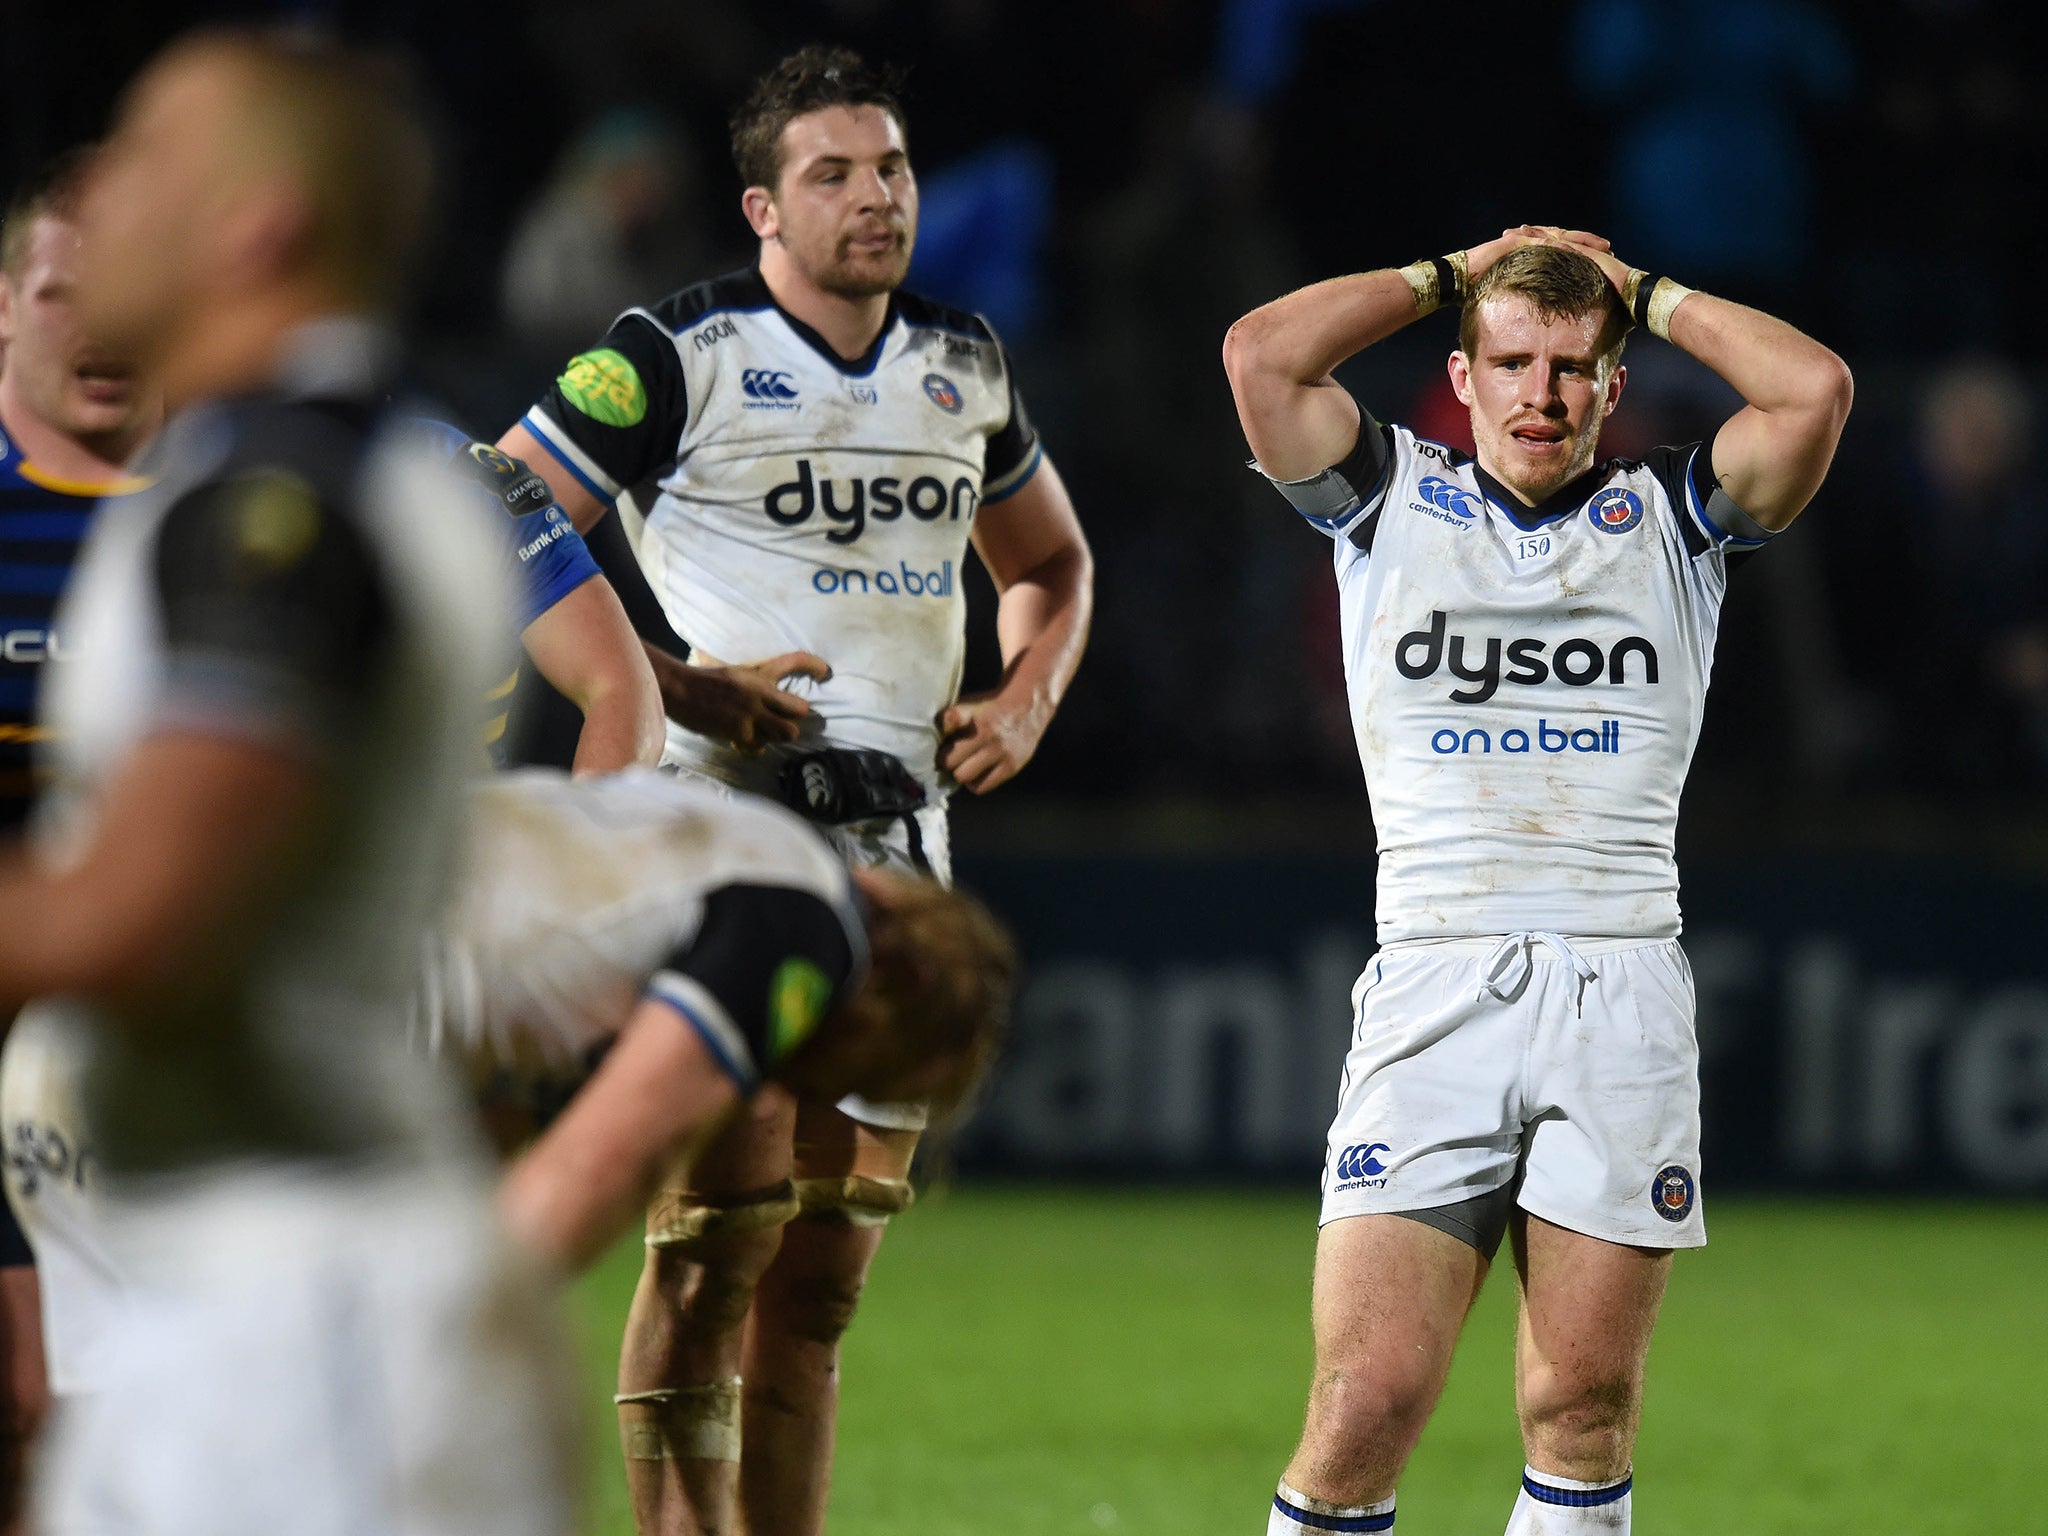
(1576,1498)
(1317,1522)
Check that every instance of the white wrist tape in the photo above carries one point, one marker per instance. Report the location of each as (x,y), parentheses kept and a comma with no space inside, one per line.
(1664,298)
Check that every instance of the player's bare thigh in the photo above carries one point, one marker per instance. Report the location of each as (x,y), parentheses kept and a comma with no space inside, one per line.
(1588,1308)
(1391,1295)
(831,1144)
(751,1154)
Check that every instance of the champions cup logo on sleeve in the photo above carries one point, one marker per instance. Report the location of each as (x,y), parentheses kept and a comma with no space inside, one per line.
(605,386)
(1615,510)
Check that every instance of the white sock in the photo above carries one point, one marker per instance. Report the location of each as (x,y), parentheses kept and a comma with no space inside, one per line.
(1296,1514)
(1559,1506)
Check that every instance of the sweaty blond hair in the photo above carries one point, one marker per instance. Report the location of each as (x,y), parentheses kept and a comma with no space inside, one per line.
(1558,284)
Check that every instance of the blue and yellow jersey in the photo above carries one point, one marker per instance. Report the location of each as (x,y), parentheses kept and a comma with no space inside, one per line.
(549,554)
(43,521)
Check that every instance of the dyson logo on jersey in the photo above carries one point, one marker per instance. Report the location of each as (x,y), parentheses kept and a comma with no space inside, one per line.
(901,582)
(852,502)
(1575,663)
(1553,739)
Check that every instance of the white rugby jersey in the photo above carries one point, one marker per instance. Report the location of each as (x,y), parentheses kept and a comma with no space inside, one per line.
(1526,684)
(581,896)
(803,502)
(301,573)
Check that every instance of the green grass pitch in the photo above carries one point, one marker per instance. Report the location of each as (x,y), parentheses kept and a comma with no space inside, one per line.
(1049,1361)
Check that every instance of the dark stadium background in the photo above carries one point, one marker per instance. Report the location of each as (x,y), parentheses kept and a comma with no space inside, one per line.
(1102,1324)
(1188,860)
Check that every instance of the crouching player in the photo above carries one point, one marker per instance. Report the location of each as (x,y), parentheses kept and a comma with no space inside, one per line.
(1527,638)
(699,945)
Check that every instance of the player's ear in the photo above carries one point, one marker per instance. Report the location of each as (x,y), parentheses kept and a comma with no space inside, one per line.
(1461,378)
(6,309)
(758,205)
(1615,382)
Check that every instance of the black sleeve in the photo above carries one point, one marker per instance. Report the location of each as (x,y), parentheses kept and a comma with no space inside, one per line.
(1012,453)
(765,966)
(1344,499)
(617,413)
(276,614)
(621,567)
(1707,515)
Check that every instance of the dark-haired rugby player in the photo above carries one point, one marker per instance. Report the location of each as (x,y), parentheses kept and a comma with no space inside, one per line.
(823,447)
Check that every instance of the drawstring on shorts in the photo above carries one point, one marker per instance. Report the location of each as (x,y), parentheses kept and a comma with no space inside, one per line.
(1505,971)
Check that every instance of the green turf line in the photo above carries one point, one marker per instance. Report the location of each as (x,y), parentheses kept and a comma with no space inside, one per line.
(1034,1363)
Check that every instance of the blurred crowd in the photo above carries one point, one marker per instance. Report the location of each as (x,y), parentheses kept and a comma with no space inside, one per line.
(1113,182)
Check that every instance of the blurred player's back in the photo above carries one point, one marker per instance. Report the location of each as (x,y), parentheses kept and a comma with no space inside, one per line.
(265,744)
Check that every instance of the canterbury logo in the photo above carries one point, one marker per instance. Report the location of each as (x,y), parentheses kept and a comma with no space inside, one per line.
(766,384)
(1441,493)
(1362,1162)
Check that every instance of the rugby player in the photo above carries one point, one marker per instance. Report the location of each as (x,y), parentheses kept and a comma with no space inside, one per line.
(1527,638)
(704,943)
(71,417)
(698,947)
(264,739)
(822,448)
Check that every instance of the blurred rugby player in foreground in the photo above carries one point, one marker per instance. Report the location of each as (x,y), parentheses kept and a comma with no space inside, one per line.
(699,947)
(71,417)
(264,742)
(1527,641)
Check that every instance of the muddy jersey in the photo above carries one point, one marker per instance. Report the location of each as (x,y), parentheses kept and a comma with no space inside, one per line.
(582,896)
(1526,684)
(802,501)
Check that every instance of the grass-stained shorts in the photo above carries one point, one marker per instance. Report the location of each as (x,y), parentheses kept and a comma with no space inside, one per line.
(1559,1074)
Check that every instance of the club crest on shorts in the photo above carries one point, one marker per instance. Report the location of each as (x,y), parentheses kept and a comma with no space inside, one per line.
(1615,510)
(944,393)
(1671,1193)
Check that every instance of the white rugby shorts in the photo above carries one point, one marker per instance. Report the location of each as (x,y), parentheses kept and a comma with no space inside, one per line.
(324,1353)
(881,844)
(1563,1069)
(51,1178)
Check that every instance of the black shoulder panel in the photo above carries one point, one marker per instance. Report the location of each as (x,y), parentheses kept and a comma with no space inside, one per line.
(918,310)
(733,290)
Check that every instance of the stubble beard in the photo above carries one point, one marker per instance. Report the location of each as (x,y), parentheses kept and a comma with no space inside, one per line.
(1585,447)
(850,277)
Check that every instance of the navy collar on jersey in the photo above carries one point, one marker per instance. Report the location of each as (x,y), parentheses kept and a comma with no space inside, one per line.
(855,368)
(1562,502)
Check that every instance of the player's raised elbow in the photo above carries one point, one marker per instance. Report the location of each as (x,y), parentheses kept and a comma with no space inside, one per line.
(1829,388)
(1246,346)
